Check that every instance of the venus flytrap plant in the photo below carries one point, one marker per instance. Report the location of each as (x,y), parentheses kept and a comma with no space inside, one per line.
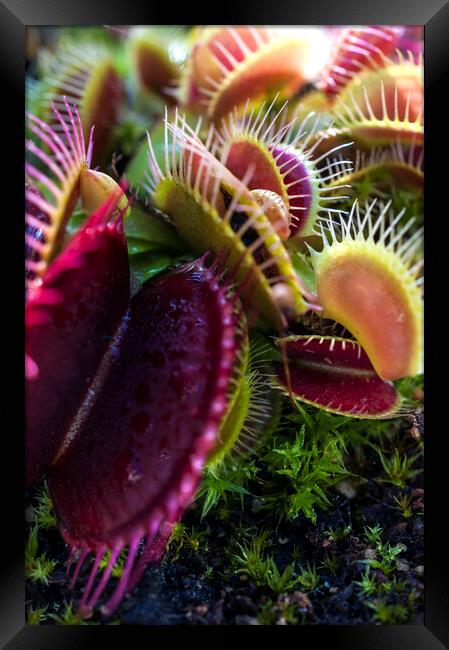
(213,210)
(282,157)
(86,73)
(95,259)
(227,65)
(46,217)
(335,374)
(389,300)
(80,271)
(132,460)
(377,110)
(392,91)
(381,170)
(158,54)
(157,383)
(58,174)
(390,401)
(354,50)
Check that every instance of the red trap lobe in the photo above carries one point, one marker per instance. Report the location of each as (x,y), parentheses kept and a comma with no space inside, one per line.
(335,374)
(135,463)
(70,321)
(353,51)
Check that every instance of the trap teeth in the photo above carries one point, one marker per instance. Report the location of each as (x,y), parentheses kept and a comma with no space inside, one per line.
(56,181)
(336,375)
(382,107)
(368,279)
(229,65)
(214,210)
(275,146)
(354,50)
(87,75)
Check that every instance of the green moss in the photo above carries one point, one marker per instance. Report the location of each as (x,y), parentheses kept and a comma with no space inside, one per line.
(367,584)
(303,463)
(67,616)
(36,616)
(215,488)
(44,511)
(373,535)
(309,578)
(263,570)
(338,533)
(411,388)
(189,539)
(386,553)
(267,615)
(398,468)
(38,568)
(250,558)
(281,582)
(118,565)
(388,614)
(404,505)
(330,563)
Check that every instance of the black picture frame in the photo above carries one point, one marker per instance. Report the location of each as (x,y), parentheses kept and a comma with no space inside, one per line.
(15,15)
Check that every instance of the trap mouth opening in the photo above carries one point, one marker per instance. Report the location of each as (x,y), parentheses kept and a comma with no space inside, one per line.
(249,237)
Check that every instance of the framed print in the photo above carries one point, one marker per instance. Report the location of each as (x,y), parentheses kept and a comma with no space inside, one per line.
(224,325)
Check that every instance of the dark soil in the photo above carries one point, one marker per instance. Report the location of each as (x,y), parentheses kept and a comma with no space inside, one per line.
(202,587)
